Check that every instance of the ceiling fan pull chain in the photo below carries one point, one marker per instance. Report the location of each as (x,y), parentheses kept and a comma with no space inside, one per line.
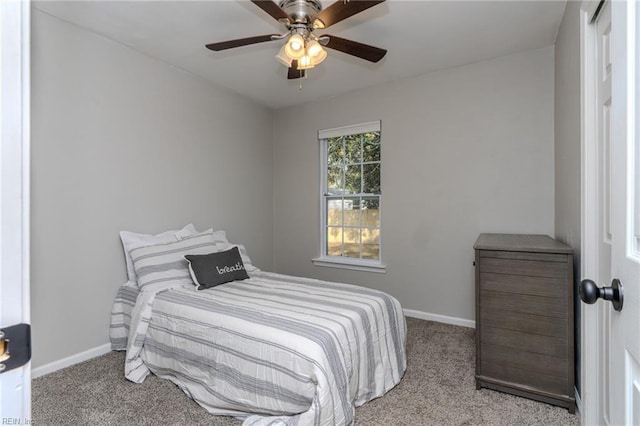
(303,76)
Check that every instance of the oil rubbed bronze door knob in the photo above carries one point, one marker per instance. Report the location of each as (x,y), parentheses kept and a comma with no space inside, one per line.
(589,293)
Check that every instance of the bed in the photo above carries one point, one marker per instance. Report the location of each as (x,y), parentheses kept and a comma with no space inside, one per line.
(270,349)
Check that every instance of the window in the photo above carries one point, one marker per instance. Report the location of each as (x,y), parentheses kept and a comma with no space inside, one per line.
(351,196)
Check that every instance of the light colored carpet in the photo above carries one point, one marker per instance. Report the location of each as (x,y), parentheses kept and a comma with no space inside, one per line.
(438,388)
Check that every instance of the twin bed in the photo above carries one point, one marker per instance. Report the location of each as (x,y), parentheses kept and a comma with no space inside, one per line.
(271,349)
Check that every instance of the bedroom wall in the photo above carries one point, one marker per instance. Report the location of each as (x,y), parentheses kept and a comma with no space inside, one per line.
(567,146)
(123,141)
(464,150)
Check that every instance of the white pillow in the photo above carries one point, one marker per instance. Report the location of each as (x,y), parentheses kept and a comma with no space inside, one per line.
(132,240)
(220,237)
(161,263)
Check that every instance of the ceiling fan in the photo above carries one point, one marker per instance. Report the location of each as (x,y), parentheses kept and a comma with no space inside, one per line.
(303,49)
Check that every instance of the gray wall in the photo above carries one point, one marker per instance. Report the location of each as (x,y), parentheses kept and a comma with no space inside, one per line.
(465,150)
(567,144)
(123,141)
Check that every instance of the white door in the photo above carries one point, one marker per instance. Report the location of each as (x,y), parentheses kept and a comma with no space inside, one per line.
(611,213)
(624,379)
(15,383)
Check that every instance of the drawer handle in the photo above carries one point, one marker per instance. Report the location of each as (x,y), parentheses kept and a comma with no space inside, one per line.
(589,293)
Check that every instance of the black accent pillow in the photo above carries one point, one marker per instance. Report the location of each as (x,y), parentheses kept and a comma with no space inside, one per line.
(210,270)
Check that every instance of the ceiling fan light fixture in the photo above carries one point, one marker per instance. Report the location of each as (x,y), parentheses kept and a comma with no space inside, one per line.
(305,63)
(283,58)
(321,56)
(314,48)
(295,47)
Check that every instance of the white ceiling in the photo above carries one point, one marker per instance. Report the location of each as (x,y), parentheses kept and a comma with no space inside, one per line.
(421,36)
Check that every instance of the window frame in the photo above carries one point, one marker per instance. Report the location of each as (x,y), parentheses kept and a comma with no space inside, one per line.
(369,265)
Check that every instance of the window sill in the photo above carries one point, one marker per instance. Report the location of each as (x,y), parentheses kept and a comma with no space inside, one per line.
(355,265)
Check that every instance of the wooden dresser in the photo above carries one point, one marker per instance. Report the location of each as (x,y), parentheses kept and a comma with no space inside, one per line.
(524,317)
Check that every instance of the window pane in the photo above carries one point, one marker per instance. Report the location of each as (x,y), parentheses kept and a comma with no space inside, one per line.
(371,244)
(353,149)
(334,241)
(371,178)
(370,212)
(334,151)
(353,181)
(352,212)
(352,242)
(334,212)
(335,180)
(371,147)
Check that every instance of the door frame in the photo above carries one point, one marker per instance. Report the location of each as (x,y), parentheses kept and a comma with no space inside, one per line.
(589,337)
(15,54)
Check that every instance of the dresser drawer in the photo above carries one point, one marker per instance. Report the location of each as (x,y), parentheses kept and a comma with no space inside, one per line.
(529,268)
(526,323)
(555,288)
(524,255)
(527,342)
(523,303)
(530,379)
(515,358)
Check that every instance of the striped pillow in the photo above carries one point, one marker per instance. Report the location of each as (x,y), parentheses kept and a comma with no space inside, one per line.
(131,240)
(165,262)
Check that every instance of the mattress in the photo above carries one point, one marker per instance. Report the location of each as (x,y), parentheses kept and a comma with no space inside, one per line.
(273,349)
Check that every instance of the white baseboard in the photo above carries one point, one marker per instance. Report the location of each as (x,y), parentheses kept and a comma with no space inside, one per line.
(70,360)
(440,318)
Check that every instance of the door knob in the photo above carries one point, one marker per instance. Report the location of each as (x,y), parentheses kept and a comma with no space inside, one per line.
(589,293)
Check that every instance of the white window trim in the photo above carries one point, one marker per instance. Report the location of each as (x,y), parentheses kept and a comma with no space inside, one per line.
(371,126)
(351,263)
(367,265)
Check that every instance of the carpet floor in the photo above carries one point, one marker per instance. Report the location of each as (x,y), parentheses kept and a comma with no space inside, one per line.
(438,388)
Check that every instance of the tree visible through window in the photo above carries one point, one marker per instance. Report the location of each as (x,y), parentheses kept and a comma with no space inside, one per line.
(351,197)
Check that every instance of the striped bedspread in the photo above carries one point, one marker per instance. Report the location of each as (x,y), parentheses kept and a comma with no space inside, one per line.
(273,349)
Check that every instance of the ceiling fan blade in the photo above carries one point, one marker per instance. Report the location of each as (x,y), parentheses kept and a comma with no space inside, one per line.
(230,44)
(364,51)
(272,9)
(341,10)
(294,72)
